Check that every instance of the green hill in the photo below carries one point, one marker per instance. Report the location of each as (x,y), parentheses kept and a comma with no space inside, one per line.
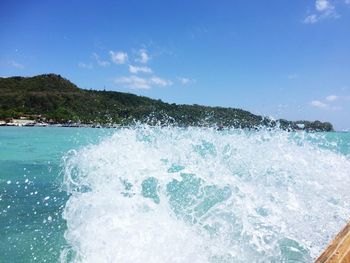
(56,98)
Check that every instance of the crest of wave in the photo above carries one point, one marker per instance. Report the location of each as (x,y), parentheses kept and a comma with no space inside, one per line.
(201,195)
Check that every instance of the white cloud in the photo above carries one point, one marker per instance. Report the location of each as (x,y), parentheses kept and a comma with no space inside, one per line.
(118,57)
(318,104)
(143,56)
(160,82)
(135,69)
(325,106)
(15,64)
(100,62)
(323,5)
(84,65)
(135,82)
(324,9)
(332,98)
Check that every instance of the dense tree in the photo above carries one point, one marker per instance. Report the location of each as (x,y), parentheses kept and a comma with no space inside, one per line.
(58,99)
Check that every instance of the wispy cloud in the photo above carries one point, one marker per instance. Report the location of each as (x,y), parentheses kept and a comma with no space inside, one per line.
(157,81)
(328,102)
(323,9)
(185,80)
(143,56)
(100,62)
(136,69)
(15,64)
(311,19)
(118,57)
(332,98)
(318,104)
(135,82)
(85,65)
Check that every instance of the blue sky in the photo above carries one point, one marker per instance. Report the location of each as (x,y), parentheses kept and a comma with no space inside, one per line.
(286,59)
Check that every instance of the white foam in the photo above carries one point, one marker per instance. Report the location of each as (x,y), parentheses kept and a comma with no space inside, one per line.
(280,190)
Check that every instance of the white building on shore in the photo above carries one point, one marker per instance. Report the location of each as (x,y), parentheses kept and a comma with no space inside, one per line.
(21,122)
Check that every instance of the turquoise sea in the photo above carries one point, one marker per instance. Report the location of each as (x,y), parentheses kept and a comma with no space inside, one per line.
(167,194)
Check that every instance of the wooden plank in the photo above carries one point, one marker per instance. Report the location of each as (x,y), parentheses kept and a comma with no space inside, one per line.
(338,251)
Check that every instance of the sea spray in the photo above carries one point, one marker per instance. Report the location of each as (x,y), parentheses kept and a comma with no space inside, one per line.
(167,194)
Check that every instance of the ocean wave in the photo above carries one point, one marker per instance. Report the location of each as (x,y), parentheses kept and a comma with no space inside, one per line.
(170,194)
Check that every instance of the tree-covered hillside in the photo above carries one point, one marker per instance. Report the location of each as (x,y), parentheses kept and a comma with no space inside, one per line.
(58,99)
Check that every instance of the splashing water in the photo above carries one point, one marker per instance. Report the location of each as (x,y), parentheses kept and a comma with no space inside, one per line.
(201,195)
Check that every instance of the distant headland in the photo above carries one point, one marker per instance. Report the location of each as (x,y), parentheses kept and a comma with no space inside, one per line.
(50,99)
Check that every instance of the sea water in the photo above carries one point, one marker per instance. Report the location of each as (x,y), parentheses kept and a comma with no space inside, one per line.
(168,194)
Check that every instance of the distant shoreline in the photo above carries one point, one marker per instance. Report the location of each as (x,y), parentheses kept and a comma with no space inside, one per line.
(41,125)
(130,126)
